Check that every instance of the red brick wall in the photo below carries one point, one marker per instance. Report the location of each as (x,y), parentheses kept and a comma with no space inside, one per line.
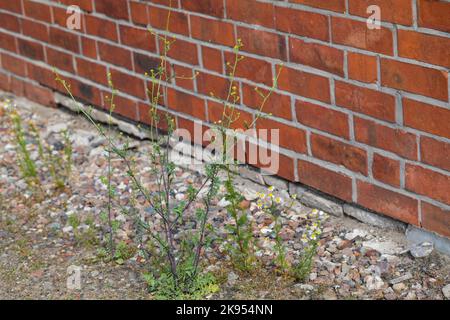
(364,114)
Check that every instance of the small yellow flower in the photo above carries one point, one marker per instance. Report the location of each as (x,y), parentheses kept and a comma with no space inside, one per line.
(271,188)
(278,200)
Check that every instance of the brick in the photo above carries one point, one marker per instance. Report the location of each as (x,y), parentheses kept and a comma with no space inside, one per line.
(263,43)
(186,103)
(270,161)
(65,40)
(356,34)
(167,3)
(42,75)
(399,11)
(60,60)
(146,117)
(37,10)
(428,183)
(118,11)
(13,6)
(397,141)
(101,28)
(138,11)
(415,79)
(213,31)
(184,77)
(9,22)
(426,117)
(128,84)
(115,55)
(428,17)
(253,69)
(7,42)
(322,118)
(184,51)
(436,219)
(144,63)
(36,30)
(84,92)
(317,56)
(209,84)
(388,202)
(343,154)
(17,86)
(31,49)
(85,5)
(286,135)
(362,67)
(277,104)
(333,5)
(89,47)
(367,101)
(121,105)
(13,64)
(92,71)
(178,22)
(304,84)
(424,47)
(39,94)
(251,11)
(5,82)
(241,119)
(137,38)
(386,170)
(325,180)
(302,23)
(435,153)
(60,17)
(208,7)
(212,59)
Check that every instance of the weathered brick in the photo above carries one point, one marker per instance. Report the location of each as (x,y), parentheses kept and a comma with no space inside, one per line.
(13,64)
(92,71)
(398,11)
(388,202)
(286,133)
(209,7)
(85,5)
(9,22)
(184,77)
(119,10)
(317,56)
(356,34)
(114,54)
(325,180)
(251,11)
(89,47)
(241,119)
(344,154)
(304,84)
(334,5)
(138,11)
(302,23)
(212,59)
(394,140)
(257,70)
(322,118)
(186,103)
(434,14)
(101,28)
(137,38)
(435,152)
(386,170)
(13,6)
(424,47)
(178,21)
(277,104)
(436,219)
(428,183)
(214,31)
(121,105)
(184,51)
(37,10)
(30,49)
(60,60)
(39,94)
(426,117)
(128,84)
(209,84)
(36,30)
(362,67)
(7,42)
(413,78)
(367,101)
(64,39)
(144,63)
(263,43)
